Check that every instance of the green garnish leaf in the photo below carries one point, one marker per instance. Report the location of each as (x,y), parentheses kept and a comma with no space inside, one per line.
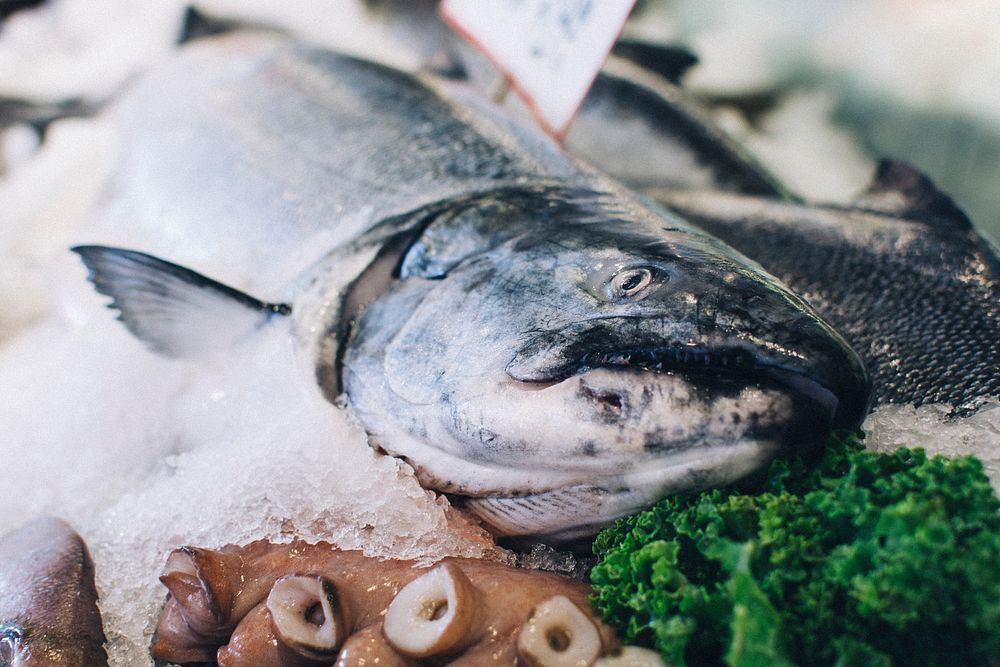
(755,626)
(855,558)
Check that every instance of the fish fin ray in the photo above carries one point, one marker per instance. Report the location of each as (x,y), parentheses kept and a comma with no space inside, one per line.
(177,312)
(901,189)
(547,513)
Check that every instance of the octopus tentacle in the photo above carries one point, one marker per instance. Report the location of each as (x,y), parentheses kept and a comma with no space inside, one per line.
(252,643)
(174,637)
(301,605)
(214,589)
(368,646)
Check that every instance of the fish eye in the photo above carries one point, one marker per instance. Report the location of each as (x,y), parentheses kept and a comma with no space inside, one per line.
(630,281)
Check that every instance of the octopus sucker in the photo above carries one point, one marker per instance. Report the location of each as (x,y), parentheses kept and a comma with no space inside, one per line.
(48,601)
(299,624)
(434,614)
(303,605)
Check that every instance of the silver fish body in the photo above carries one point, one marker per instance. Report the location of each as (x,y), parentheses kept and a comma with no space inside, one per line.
(535,340)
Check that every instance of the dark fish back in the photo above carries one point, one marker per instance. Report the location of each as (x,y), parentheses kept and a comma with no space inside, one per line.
(918,298)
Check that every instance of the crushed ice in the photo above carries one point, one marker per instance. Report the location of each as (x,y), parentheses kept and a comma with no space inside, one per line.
(890,427)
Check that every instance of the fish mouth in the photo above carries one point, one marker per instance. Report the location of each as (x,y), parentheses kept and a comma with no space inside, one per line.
(698,363)
(836,383)
(667,359)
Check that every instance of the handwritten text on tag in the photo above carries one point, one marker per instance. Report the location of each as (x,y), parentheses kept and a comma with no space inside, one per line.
(550,50)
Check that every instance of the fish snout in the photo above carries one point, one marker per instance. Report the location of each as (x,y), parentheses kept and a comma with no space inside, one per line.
(800,355)
(819,365)
(783,341)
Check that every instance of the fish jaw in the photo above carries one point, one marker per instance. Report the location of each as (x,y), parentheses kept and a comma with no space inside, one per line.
(803,355)
(563,460)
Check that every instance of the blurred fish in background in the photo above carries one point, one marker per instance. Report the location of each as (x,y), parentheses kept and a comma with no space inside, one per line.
(820,91)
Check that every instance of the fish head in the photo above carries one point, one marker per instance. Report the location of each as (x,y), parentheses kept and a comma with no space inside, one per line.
(557,358)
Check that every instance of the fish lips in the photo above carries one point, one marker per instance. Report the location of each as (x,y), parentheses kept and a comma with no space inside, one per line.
(817,365)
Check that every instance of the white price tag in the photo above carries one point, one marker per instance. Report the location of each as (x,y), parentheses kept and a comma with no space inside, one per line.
(550,50)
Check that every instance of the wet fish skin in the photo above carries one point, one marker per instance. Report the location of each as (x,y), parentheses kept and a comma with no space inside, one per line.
(48,601)
(359,142)
(647,131)
(902,274)
(528,334)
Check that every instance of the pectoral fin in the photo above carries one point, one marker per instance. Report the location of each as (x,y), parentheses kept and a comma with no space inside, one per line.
(177,312)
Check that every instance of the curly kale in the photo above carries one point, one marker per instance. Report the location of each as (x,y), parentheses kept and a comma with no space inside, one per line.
(860,558)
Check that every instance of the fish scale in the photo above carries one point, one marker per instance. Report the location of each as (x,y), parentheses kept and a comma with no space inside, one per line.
(927,335)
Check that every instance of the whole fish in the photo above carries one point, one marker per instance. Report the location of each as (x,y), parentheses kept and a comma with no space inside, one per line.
(532,338)
(901,272)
